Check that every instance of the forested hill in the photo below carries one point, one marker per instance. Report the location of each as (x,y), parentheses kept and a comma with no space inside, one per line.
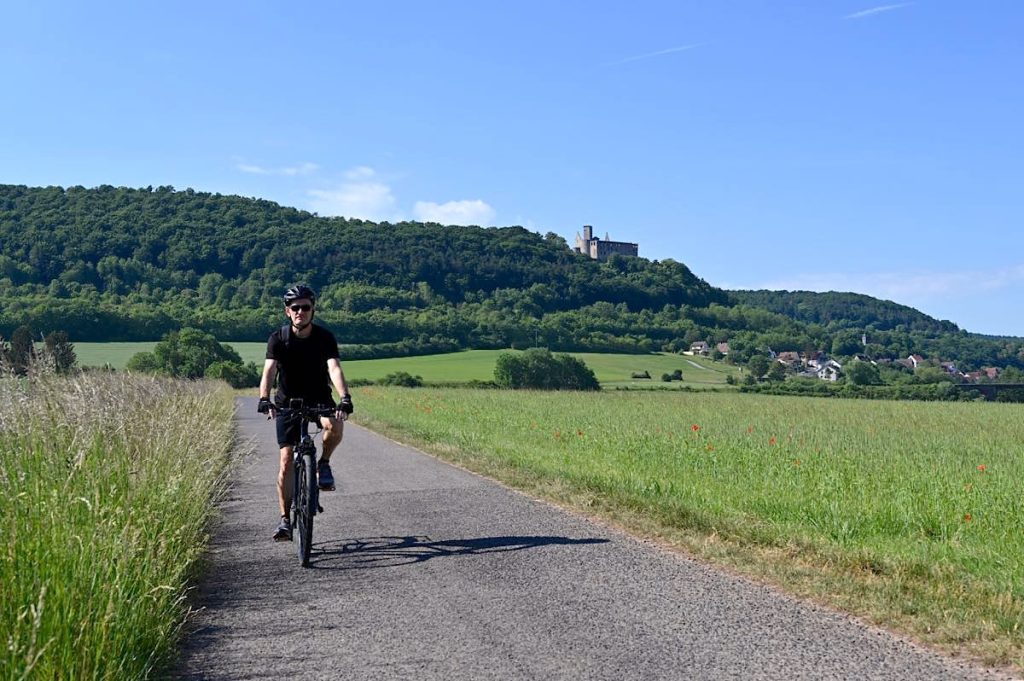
(113,263)
(844,310)
(244,252)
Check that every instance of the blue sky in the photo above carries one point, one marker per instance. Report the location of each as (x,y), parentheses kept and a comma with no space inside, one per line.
(845,145)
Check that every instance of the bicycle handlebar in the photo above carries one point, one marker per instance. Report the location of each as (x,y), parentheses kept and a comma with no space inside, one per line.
(311,413)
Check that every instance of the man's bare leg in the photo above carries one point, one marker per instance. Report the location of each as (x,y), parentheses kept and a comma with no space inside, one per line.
(285,482)
(333,432)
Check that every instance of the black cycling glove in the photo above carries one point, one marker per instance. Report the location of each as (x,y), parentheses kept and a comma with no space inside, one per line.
(264,406)
(346,404)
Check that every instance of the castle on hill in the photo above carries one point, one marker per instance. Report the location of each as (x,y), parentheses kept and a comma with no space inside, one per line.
(600,249)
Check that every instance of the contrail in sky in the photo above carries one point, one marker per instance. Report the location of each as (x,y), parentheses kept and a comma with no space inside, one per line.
(876,10)
(681,48)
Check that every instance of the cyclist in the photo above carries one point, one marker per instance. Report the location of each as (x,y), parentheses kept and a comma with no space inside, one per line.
(303,357)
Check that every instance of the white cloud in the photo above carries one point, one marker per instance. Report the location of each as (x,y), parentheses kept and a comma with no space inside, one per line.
(365,200)
(301,169)
(251,169)
(360,173)
(306,168)
(670,50)
(876,10)
(470,212)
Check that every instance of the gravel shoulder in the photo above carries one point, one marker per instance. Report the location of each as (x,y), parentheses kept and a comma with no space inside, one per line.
(424,570)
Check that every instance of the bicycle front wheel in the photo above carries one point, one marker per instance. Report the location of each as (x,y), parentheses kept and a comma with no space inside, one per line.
(305,505)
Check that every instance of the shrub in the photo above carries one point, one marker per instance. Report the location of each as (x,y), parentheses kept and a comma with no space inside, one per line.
(59,352)
(640,374)
(537,368)
(235,374)
(187,353)
(402,378)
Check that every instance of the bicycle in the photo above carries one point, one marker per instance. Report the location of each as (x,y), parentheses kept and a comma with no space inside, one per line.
(305,491)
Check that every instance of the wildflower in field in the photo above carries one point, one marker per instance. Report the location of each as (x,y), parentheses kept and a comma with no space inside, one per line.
(695,427)
(981,468)
(750,429)
(558,435)
(967,517)
(711,447)
(771,440)
(579,433)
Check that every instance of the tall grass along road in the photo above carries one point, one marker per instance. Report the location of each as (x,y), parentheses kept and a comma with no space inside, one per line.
(105,490)
(421,570)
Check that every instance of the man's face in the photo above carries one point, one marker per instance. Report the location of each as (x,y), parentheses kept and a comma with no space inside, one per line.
(300,312)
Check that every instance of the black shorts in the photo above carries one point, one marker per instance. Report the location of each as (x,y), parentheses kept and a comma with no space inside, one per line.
(289,427)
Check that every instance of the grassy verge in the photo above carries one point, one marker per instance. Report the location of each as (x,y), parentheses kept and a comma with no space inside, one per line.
(908,514)
(105,490)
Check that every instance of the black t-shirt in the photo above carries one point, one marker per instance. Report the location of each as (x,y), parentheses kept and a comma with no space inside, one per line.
(302,365)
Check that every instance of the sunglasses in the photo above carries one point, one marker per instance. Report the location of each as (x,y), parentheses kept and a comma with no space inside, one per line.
(300,308)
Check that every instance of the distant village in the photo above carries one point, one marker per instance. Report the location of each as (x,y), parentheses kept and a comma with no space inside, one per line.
(819,365)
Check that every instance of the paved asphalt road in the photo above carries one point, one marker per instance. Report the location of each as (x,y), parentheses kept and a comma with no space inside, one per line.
(424,571)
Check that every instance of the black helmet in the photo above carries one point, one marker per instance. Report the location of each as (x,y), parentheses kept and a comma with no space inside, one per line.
(297,292)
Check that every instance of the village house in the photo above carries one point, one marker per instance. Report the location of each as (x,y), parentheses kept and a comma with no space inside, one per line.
(699,348)
(788,358)
(723,348)
(814,360)
(986,373)
(830,370)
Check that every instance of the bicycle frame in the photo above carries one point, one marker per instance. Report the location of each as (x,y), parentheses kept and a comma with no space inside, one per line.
(305,503)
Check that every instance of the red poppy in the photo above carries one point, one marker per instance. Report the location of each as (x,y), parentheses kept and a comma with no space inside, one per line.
(967,517)
(695,427)
(771,440)
(981,467)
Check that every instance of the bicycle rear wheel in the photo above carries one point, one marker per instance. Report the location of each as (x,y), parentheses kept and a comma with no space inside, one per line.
(305,505)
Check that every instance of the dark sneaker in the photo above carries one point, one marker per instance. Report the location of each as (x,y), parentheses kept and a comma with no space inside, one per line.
(324,476)
(284,530)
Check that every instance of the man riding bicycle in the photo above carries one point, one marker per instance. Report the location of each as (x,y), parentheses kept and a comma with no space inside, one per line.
(303,357)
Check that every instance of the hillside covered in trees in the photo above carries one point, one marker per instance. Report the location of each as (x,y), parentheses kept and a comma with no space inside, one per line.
(132,264)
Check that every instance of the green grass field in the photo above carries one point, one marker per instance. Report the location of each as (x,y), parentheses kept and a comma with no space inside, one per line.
(612,370)
(907,513)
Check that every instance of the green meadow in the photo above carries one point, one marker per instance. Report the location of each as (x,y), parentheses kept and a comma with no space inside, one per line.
(908,514)
(612,370)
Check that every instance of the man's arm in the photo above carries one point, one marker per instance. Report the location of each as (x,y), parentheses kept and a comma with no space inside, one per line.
(337,376)
(267,382)
(338,379)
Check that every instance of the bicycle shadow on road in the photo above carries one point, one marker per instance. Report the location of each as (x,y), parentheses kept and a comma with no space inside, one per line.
(382,552)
